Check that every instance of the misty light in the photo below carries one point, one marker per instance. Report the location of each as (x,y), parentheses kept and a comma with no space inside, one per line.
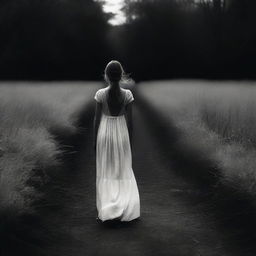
(114,6)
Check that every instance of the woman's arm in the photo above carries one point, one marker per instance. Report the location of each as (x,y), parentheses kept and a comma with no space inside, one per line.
(129,122)
(97,117)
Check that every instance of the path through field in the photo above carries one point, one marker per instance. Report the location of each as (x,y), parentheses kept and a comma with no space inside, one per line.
(175,217)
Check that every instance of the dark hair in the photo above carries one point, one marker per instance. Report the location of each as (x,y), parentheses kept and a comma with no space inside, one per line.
(114,72)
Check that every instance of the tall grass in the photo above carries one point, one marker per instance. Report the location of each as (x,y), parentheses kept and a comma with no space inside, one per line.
(28,151)
(218,119)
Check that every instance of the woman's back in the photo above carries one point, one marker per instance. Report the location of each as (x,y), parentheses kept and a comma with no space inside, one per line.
(115,100)
(114,106)
(117,192)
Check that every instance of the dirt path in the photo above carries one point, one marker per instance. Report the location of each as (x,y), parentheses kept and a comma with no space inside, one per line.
(171,223)
(173,217)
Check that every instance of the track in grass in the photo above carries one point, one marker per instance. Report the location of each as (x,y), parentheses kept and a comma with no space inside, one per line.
(175,216)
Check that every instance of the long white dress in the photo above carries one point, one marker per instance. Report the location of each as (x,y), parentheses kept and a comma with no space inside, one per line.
(117,194)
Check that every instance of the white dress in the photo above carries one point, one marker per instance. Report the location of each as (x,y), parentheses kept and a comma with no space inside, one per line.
(117,193)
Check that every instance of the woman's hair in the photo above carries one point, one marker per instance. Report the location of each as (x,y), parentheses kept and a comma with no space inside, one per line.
(114,72)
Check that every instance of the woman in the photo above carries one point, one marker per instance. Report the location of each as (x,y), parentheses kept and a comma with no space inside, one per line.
(117,193)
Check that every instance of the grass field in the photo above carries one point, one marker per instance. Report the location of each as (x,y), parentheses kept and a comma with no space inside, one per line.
(28,150)
(218,119)
(177,124)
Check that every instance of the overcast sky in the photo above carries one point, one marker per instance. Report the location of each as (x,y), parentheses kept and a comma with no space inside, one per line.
(115,6)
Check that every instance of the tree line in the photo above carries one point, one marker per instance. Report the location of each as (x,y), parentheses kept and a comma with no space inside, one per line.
(212,39)
(52,39)
(162,39)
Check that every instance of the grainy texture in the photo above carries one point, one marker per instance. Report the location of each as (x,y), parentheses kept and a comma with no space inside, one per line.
(184,209)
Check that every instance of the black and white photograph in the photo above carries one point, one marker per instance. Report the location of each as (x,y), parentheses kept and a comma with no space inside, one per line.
(127,127)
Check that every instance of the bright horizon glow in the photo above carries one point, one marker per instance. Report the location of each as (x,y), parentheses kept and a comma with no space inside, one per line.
(114,6)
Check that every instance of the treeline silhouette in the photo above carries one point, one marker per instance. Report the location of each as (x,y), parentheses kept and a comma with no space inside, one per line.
(52,39)
(200,39)
(64,39)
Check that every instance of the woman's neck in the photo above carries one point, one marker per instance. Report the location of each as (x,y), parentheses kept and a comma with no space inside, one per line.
(114,86)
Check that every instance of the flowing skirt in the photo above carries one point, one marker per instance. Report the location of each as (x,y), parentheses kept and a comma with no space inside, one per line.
(117,193)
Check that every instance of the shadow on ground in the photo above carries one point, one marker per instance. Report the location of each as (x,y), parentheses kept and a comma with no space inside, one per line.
(39,232)
(65,220)
(234,211)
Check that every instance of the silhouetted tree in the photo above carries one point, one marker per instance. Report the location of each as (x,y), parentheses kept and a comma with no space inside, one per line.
(52,39)
(186,38)
(164,39)
(64,39)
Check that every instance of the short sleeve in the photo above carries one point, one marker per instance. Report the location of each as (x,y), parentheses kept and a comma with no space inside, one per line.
(98,97)
(130,97)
